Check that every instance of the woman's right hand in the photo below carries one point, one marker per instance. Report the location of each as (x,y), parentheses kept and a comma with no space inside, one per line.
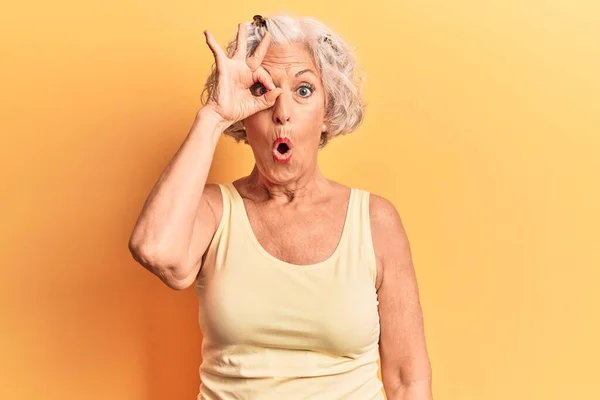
(232,98)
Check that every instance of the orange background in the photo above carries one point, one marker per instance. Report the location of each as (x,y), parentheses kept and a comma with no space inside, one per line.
(482,127)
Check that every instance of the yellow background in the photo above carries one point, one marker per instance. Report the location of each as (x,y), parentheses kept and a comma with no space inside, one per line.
(482,127)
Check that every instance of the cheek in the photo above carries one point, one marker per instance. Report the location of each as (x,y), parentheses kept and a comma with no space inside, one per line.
(257,126)
(313,112)
(257,121)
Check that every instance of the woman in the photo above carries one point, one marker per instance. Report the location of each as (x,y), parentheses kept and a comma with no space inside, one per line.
(302,282)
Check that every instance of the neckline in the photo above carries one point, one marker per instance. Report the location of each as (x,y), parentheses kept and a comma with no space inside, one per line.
(271,257)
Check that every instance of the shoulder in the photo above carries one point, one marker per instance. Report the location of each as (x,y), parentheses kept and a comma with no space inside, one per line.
(384,214)
(387,228)
(212,193)
(213,198)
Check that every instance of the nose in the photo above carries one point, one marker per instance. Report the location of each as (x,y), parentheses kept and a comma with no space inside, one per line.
(281,109)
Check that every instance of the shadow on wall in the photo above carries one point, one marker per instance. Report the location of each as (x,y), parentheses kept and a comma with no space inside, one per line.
(172,334)
(103,325)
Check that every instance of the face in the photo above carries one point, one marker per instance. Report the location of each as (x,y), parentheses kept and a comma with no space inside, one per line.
(295,121)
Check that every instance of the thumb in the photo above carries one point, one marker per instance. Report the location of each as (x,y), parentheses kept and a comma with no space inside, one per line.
(268,99)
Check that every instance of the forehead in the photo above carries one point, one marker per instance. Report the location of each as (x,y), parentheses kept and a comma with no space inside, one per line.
(288,58)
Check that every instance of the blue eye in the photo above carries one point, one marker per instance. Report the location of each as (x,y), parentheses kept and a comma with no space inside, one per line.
(305,91)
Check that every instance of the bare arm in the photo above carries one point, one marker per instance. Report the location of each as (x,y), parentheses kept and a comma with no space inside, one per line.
(177,214)
(178,219)
(405,365)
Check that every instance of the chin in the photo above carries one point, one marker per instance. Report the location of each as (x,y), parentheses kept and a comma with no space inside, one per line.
(278,172)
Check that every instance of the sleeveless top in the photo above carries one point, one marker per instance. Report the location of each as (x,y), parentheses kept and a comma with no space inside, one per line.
(276,330)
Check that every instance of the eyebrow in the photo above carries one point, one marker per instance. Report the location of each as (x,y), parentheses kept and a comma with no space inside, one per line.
(308,70)
(304,71)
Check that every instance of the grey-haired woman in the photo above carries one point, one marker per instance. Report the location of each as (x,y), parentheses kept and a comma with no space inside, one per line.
(303,283)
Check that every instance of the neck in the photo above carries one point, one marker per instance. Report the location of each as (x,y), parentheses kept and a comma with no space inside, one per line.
(305,186)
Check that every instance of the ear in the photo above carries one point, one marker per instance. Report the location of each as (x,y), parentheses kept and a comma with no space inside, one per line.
(325,125)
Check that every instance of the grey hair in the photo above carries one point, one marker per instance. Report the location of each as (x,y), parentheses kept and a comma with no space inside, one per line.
(342,79)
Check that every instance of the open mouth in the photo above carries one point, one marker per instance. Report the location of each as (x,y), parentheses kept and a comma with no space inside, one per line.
(282,150)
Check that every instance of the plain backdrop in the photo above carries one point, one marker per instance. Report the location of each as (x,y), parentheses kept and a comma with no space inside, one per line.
(482,127)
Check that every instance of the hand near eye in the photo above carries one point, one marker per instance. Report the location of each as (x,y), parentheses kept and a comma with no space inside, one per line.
(231,99)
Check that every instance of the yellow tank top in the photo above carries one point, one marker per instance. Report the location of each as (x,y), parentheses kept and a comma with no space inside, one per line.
(279,331)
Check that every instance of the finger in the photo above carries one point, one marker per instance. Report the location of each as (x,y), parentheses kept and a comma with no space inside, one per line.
(241,43)
(261,75)
(268,99)
(215,48)
(259,53)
